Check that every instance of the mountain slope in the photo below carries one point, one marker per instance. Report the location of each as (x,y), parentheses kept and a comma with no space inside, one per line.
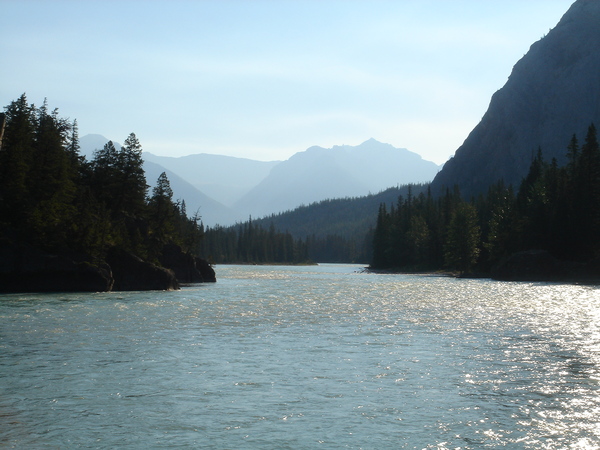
(552,92)
(91,142)
(210,211)
(342,171)
(349,218)
(271,187)
(224,178)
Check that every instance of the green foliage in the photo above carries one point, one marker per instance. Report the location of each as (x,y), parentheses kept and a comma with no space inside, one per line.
(556,209)
(37,177)
(463,239)
(16,156)
(338,230)
(411,236)
(250,243)
(52,198)
(163,215)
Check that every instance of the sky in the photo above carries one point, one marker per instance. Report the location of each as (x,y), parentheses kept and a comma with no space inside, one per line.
(264,79)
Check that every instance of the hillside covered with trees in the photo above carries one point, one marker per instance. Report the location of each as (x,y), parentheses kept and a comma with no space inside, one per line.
(555,210)
(63,217)
(334,230)
(75,224)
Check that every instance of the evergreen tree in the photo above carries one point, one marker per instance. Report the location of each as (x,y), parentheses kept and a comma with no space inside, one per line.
(74,147)
(104,177)
(587,196)
(462,245)
(162,214)
(500,239)
(51,181)
(133,185)
(16,156)
(532,206)
(381,241)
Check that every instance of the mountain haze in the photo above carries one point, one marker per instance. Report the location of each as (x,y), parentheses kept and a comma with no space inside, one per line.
(342,171)
(265,188)
(552,93)
(91,142)
(211,211)
(224,178)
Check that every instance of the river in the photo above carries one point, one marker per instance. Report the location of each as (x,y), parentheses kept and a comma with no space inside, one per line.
(275,357)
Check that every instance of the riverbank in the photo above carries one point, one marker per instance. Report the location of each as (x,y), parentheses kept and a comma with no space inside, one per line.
(528,266)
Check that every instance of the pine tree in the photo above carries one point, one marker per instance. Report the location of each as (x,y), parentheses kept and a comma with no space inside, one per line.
(73,146)
(500,240)
(16,156)
(381,240)
(162,215)
(132,195)
(587,196)
(104,174)
(51,181)
(462,245)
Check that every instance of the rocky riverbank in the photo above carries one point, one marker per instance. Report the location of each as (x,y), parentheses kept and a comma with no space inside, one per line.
(26,269)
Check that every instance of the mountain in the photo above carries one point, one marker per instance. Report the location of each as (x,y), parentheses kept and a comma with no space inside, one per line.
(91,142)
(349,218)
(342,171)
(223,178)
(213,182)
(552,93)
(211,211)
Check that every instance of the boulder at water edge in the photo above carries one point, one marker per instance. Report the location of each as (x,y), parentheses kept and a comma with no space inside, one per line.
(187,268)
(131,273)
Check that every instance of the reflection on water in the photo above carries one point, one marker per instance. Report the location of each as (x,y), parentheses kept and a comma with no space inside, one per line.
(304,357)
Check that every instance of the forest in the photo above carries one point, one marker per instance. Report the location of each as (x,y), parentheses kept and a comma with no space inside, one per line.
(334,230)
(53,199)
(556,209)
(250,242)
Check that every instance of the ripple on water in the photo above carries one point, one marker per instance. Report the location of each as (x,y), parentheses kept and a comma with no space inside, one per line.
(304,357)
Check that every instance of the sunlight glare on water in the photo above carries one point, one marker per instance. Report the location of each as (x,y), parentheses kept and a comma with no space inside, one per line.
(304,357)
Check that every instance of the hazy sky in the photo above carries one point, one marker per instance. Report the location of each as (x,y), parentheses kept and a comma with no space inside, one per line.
(265,79)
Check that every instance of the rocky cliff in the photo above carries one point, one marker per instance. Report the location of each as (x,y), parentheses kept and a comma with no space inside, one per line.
(552,93)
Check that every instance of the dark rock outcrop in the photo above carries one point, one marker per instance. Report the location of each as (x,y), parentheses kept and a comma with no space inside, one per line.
(207,272)
(187,268)
(131,273)
(26,269)
(552,93)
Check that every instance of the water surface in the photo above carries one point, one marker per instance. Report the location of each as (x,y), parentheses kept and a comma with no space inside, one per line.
(304,357)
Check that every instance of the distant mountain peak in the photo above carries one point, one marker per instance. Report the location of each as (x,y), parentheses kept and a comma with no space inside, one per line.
(340,171)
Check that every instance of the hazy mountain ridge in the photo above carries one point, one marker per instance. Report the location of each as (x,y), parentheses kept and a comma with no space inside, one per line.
(552,92)
(224,178)
(196,201)
(272,187)
(342,171)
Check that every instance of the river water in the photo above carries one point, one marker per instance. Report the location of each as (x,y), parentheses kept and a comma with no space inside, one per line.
(304,357)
